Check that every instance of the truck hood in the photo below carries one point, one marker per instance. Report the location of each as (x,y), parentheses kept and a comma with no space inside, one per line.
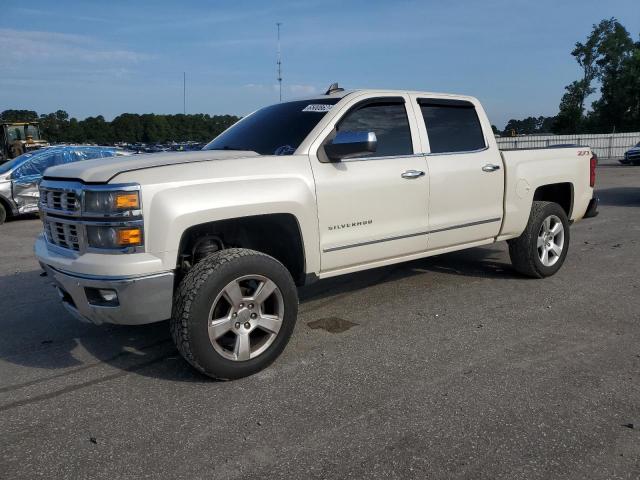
(101,170)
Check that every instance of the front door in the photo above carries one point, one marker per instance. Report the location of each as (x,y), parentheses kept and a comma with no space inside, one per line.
(374,207)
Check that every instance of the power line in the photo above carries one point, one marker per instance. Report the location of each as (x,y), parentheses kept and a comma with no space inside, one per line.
(279,62)
(184,93)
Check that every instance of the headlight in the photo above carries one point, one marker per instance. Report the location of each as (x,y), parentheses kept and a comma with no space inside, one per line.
(115,218)
(111,201)
(114,237)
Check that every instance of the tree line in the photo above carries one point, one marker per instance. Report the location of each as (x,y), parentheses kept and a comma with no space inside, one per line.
(57,127)
(610,62)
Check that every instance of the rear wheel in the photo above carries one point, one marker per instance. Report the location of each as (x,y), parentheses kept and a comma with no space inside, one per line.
(541,249)
(3,213)
(234,313)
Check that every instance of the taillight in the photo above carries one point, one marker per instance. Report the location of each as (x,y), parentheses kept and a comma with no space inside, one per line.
(592,170)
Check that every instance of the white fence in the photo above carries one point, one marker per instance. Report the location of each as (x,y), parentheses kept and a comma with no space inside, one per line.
(604,145)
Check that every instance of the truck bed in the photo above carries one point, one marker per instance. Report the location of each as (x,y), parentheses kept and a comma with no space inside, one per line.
(528,169)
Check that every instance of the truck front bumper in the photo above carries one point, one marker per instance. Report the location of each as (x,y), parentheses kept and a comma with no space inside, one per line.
(124,301)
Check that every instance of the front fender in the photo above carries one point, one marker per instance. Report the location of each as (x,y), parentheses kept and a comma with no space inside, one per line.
(173,210)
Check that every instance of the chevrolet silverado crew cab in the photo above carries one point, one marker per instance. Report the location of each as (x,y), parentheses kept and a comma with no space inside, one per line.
(217,240)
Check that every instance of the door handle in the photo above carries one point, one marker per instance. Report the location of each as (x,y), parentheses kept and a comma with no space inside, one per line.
(412,174)
(490,167)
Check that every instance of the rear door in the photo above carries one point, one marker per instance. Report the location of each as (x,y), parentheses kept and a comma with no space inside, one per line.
(466,176)
(374,207)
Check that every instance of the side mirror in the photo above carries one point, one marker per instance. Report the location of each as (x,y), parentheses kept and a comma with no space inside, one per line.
(350,144)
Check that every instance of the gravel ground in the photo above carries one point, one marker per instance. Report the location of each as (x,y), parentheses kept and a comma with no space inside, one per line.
(455,367)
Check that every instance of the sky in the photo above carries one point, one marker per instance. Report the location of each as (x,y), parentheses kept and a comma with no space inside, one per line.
(110,57)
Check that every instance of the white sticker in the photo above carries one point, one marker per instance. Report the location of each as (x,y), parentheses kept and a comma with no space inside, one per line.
(317,107)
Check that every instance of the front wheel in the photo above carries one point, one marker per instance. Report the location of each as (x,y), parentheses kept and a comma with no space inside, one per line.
(3,214)
(234,313)
(541,249)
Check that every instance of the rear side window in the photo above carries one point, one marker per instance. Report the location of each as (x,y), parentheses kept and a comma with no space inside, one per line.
(388,120)
(452,126)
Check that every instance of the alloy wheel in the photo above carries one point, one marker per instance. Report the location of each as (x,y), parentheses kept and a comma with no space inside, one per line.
(245,317)
(550,240)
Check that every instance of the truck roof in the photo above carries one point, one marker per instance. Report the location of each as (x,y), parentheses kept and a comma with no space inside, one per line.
(343,93)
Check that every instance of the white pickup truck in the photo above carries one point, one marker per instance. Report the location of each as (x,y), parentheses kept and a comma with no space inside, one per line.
(217,240)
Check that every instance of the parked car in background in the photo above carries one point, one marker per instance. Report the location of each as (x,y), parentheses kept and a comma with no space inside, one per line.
(632,156)
(19,178)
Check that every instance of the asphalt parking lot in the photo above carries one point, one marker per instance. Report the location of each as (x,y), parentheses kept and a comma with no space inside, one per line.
(456,367)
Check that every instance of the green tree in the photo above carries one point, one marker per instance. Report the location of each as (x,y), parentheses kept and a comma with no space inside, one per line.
(570,117)
(54,126)
(97,130)
(57,127)
(529,125)
(609,56)
(19,116)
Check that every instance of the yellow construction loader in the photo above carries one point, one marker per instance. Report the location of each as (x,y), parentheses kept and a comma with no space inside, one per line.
(17,138)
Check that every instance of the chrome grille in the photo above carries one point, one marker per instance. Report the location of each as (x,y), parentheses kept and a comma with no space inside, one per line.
(58,200)
(633,155)
(65,222)
(62,234)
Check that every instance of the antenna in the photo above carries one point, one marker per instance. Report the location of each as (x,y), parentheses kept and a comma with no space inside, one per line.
(184,93)
(279,62)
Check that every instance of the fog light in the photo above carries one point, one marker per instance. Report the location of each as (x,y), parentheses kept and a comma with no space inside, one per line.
(108,295)
(130,236)
(102,297)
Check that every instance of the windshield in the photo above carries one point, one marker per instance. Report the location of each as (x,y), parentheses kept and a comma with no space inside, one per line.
(10,165)
(275,130)
(15,132)
(33,131)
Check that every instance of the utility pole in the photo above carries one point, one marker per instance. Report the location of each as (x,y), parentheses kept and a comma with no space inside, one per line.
(184,93)
(279,62)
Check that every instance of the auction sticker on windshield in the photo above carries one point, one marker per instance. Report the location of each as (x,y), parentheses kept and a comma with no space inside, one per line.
(317,107)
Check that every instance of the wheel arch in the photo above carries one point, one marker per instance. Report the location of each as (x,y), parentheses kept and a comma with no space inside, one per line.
(561,193)
(8,206)
(276,234)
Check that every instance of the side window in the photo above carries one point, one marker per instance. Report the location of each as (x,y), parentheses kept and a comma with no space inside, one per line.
(388,120)
(452,126)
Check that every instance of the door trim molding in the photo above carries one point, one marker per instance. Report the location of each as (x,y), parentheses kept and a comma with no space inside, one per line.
(400,237)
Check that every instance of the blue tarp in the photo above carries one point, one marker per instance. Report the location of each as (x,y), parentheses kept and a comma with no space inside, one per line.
(34,163)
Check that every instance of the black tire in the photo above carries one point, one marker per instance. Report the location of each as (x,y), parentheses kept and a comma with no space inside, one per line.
(3,213)
(524,249)
(196,294)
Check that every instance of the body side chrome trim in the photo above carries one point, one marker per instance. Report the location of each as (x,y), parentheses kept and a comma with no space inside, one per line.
(400,237)
(389,157)
(456,153)
(410,155)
